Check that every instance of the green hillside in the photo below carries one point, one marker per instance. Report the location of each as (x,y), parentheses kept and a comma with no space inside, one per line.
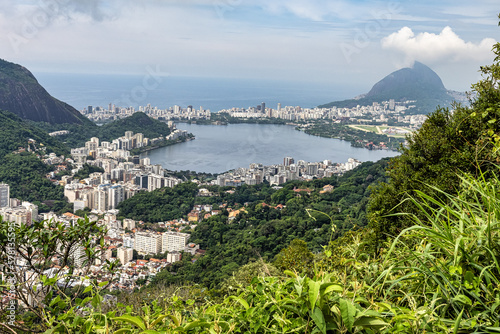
(138,122)
(15,133)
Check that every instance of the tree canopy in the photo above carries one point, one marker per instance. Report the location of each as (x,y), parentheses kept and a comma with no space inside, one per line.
(450,143)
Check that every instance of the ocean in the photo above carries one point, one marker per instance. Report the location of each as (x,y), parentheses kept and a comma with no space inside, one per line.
(82,90)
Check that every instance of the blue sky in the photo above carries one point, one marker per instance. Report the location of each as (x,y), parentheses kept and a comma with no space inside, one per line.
(336,41)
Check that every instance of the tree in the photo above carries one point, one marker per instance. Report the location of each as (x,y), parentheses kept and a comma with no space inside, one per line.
(296,257)
(449,144)
(41,288)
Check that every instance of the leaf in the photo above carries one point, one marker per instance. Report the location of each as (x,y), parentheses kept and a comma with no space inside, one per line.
(136,321)
(331,287)
(241,301)
(103,284)
(457,322)
(462,299)
(290,273)
(160,318)
(176,321)
(370,322)
(195,324)
(347,311)
(319,319)
(123,331)
(313,292)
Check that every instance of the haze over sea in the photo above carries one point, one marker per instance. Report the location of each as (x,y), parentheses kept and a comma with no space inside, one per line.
(82,90)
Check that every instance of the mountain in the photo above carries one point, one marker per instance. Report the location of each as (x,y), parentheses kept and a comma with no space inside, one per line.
(418,82)
(21,94)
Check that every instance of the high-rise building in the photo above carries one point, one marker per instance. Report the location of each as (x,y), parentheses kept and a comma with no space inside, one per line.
(174,241)
(125,254)
(4,195)
(148,242)
(128,223)
(142,181)
(116,196)
(287,161)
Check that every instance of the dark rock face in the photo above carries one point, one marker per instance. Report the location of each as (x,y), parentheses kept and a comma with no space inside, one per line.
(21,94)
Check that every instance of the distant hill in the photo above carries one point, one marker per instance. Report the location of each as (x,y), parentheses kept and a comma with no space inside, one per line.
(138,122)
(15,133)
(418,82)
(21,94)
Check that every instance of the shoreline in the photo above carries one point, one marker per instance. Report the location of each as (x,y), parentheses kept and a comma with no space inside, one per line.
(165,143)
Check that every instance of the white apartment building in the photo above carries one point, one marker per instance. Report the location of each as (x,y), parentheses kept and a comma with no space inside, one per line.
(128,223)
(148,242)
(125,255)
(174,241)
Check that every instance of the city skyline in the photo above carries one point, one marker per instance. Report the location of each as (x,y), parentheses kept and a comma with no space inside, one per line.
(313,41)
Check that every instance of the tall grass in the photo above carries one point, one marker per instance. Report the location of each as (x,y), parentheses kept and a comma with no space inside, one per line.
(449,261)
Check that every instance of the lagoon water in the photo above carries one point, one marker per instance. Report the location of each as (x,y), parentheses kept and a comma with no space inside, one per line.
(219,148)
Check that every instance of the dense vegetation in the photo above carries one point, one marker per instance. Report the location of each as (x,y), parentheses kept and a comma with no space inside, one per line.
(160,205)
(14,134)
(23,170)
(357,138)
(86,170)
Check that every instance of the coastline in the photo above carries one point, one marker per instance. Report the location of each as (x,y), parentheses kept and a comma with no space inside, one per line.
(164,143)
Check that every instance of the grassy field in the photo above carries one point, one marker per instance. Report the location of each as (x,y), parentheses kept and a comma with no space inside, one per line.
(380,129)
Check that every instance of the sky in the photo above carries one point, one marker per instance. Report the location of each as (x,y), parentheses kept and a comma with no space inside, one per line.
(321,41)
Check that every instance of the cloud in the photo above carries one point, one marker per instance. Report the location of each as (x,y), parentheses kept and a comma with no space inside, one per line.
(433,48)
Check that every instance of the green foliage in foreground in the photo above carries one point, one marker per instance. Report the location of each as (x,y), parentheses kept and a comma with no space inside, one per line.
(442,276)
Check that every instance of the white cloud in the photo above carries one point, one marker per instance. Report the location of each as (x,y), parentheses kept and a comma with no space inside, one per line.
(434,48)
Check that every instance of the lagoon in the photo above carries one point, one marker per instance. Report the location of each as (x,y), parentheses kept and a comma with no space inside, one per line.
(219,148)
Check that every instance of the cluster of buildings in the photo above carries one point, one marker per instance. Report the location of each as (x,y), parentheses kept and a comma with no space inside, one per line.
(101,115)
(119,148)
(14,210)
(123,177)
(288,171)
(376,112)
